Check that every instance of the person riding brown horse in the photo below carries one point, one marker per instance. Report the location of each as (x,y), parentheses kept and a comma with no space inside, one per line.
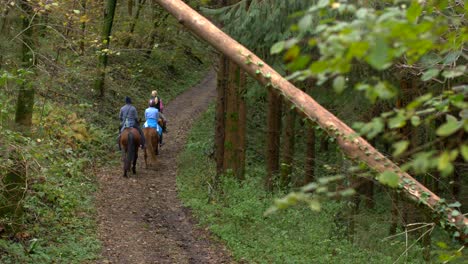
(129,118)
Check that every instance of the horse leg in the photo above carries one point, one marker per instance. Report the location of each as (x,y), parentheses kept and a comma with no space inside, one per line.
(146,158)
(125,164)
(135,160)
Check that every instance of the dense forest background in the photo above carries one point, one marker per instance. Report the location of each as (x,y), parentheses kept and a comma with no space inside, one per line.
(393,70)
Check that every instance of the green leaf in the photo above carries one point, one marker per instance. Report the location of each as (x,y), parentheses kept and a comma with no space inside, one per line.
(398,121)
(379,55)
(323,3)
(456,213)
(315,205)
(400,147)
(429,74)
(444,164)
(448,128)
(305,23)
(464,152)
(414,11)
(455,204)
(415,120)
(277,47)
(292,53)
(389,178)
(339,84)
(452,73)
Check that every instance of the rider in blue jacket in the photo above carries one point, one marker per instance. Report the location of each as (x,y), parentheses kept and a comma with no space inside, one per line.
(152,116)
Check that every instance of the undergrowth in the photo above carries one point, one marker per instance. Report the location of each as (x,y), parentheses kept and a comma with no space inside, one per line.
(55,222)
(235,214)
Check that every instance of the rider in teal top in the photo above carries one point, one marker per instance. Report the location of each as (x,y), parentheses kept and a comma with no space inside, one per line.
(152,116)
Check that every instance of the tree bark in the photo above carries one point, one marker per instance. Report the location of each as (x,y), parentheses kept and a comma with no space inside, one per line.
(232,117)
(242,125)
(25,103)
(273,136)
(220,114)
(109,13)
(130,7)
(309,174)
(288,145)
(83,27)
(134,21)
(4,20)
(157,22)
(356,148)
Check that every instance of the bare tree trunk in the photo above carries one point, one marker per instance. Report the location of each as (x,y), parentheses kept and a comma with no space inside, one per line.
(356,148)
(109,12)
(309,174)
(130,7)
(220,114)
(242,125)
(289,142)
(83,27)
(273,136)
(158,20)
(134,21)
(25,104)
(395,213)
(232,117)
(4,20)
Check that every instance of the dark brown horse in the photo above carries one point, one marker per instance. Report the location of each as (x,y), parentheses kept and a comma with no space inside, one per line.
(130,141)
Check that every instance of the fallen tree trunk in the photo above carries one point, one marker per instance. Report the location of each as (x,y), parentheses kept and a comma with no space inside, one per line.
(355,147)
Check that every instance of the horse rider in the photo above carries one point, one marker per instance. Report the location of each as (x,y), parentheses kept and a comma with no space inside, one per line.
(152,115)
(129,118)
(160,107)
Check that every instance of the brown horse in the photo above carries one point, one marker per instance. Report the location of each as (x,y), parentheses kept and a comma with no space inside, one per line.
(152,143)
(153,140)
(130,141)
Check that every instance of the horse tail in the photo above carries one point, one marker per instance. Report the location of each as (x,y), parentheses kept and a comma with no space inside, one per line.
(131,147)
(149,144)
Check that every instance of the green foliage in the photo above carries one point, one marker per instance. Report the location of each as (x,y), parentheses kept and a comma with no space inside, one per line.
(72,132)
(235,212)
(396,43)
(58,220)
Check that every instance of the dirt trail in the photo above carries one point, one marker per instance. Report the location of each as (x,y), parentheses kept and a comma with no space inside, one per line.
(141,219)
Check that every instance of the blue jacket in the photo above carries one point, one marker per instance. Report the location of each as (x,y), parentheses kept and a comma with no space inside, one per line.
(152,116)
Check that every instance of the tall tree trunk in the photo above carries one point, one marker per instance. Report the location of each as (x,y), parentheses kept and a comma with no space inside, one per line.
(109,12)
(134,21)
(395,213)
(4,21)
(310,155)
(242,125)
(158,20)
(25,104)
(289,145)
(83,26)
(232,116)
(273,136)
(356,148)
(130,7)
(220,117)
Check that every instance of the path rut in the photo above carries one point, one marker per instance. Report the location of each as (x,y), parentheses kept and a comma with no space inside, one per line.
(140,218)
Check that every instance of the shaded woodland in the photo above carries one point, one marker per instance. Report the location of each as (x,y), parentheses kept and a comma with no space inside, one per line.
(336,123)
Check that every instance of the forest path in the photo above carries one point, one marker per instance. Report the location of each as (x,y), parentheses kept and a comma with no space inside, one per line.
(140,218)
